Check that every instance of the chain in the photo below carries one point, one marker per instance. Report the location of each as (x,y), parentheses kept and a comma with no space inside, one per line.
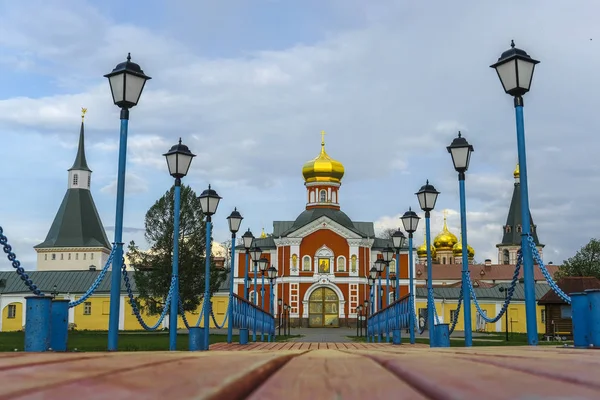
(97,282)
(432,299)
(538,259)
(182,312)
(212,315)
(17,265)
(456,314)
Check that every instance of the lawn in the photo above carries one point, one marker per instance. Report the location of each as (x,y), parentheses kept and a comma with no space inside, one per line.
(128,341)
(486,339)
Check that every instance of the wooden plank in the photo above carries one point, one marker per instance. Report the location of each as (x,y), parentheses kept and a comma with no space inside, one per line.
(45,358)
(331,374)
(217,375)
(442,377)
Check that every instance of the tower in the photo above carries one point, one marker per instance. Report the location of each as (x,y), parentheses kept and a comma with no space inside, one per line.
(76,239)
(322,178)
(511,231)
(444,243)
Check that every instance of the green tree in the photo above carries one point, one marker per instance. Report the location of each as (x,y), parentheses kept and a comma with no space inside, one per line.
(586,262)
(153,267)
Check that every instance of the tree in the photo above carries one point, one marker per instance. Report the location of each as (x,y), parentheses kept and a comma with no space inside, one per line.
(586,262)
(387,233)
(153,267)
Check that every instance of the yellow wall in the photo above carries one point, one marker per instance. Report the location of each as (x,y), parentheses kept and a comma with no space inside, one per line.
(219,304)
(516,316)
(131,322)
(12,324)
(98,318)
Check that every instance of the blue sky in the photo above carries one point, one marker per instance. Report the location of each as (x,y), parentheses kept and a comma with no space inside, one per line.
(249,85)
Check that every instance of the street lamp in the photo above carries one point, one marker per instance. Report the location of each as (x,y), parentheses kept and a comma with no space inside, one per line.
(209,201)
(502,289)
(234,220)
(515,70)
(380,267)
(358,320)
(427,197)
(263,264)
(127,82)
(247,238)
(272,275)
(279,310)
(410,220)
(54,292)
(255,253)
(394,286)
(388,254)
(285,309)
(461,150)
(179,158)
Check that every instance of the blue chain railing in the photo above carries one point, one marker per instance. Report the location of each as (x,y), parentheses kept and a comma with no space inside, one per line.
(511,291)
(457,313)
(395,316)
(97,282)
(545,272)
(134,306)
(432,299)
(17,265)
(247,315)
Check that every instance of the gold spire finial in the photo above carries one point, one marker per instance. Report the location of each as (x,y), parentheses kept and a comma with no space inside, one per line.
(263,234)
(445,219)
(323,138)
(516,172)
(83,111)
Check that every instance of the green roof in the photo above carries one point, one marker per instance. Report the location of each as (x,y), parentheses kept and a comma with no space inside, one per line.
(80,161)
(492,293)
(77,223)
(513,238)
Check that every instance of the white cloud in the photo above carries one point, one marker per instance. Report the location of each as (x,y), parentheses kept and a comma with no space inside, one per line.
(133,185)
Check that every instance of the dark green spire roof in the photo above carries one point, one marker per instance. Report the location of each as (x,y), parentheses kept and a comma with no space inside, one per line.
(80,161)
(512,229)
(77,223)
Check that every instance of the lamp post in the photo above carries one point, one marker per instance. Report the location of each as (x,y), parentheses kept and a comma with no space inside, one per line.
(209,201)
(398,239)
(461,150)
(427,197)
(515,70)
(387,254)
(380,267)
(394,284)
(247,238)
(234,220)
(179,158)
(272,275)
(502,289)
(279,303)
(410,220)
(54,292)
(127,81)
(263,264)
(255,253)
(285,307)
(372,275)
(358,315)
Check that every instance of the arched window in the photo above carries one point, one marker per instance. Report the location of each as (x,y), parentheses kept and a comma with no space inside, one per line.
(392,296)
(252,298)
(75,179)
(89,180)
(393,266)
(341,264)
(519,228)
(507,228)
(505,257)
(322,196)
(306,263)
(312,197)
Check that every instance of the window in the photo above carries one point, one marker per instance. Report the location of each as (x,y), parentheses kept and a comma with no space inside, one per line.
(452,315)
(565,312)
(62,256)
(91,256)
(392,296)
(519,228)
(505,257)
(507,228)
(75,179)
(253,300)
(341,264)
(53,257)
(393,266)
(46,257)
(306,263)
(69,256)
(322,196)
(89,180)
(77,256)
(12,311)
(84,255)
(543,315)
(87,308)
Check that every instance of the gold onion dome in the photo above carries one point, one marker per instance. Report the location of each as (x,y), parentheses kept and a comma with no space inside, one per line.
(323,168)
(516,172)
(422,249)
(457,250)
(446,239)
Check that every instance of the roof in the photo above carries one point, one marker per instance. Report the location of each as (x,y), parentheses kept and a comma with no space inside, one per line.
(74,282)
(501,272)
(310,215)
(513,237)
(80,161)
(489,293)
(570,284)
(77,223)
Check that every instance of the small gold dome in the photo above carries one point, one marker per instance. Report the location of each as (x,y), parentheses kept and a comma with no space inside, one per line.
(323,168)
(446,239)
(516,172)
(422,251)
(457,250)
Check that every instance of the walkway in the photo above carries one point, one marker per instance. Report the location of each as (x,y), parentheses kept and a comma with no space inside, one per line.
(361,371)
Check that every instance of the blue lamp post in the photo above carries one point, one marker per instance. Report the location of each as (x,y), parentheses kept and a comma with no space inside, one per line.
(179,159)
(398,239)
(388,254)
(255,253)
(461,150)
(234,220)
(127,82)
(515,70)
(263,264)
(410,220)
(247,238)
(272,275)
(427,196)
(380,267)
(209,201)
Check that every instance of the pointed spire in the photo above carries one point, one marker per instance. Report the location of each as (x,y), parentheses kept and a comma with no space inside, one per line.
(80,161)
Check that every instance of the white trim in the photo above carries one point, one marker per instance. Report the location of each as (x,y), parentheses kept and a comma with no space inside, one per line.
(324,222)
(317,285)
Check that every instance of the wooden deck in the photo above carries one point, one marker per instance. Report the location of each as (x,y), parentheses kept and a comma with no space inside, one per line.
(311,371)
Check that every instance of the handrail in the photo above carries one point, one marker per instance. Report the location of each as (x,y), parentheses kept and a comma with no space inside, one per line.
(395,317)
(249,316)
(406,296)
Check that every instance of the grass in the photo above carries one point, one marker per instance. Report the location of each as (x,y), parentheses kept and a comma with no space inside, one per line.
(128,341)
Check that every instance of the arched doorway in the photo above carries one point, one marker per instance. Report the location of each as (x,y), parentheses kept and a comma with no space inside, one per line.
(323,308)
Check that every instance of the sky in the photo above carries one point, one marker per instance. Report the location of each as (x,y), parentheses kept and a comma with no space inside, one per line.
(249,85)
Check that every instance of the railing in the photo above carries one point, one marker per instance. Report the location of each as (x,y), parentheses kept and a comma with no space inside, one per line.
(249,316)
(396,316)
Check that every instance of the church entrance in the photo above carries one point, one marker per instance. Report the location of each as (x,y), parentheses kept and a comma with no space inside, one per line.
(323,309)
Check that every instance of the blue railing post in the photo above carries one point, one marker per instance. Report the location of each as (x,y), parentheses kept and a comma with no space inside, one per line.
(411,289)
(262,302)
(246,275)
(206,304)
(230,305)
(272,308)
(430,300)
(530,303)
(175,269)
(387,299)
(580,316)
(37,323)
(59,324)
(593,296)
(465,263)
(115,286)
(255,299)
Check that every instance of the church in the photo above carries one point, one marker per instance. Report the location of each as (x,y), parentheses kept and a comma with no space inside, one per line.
(322,257)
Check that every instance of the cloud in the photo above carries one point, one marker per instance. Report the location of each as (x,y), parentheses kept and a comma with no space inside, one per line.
(133,185)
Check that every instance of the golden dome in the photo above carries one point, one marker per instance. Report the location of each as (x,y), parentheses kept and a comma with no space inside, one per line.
(516,172)
(457,250)
(263,234)
(446,239)
(422,249)
(323,168)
